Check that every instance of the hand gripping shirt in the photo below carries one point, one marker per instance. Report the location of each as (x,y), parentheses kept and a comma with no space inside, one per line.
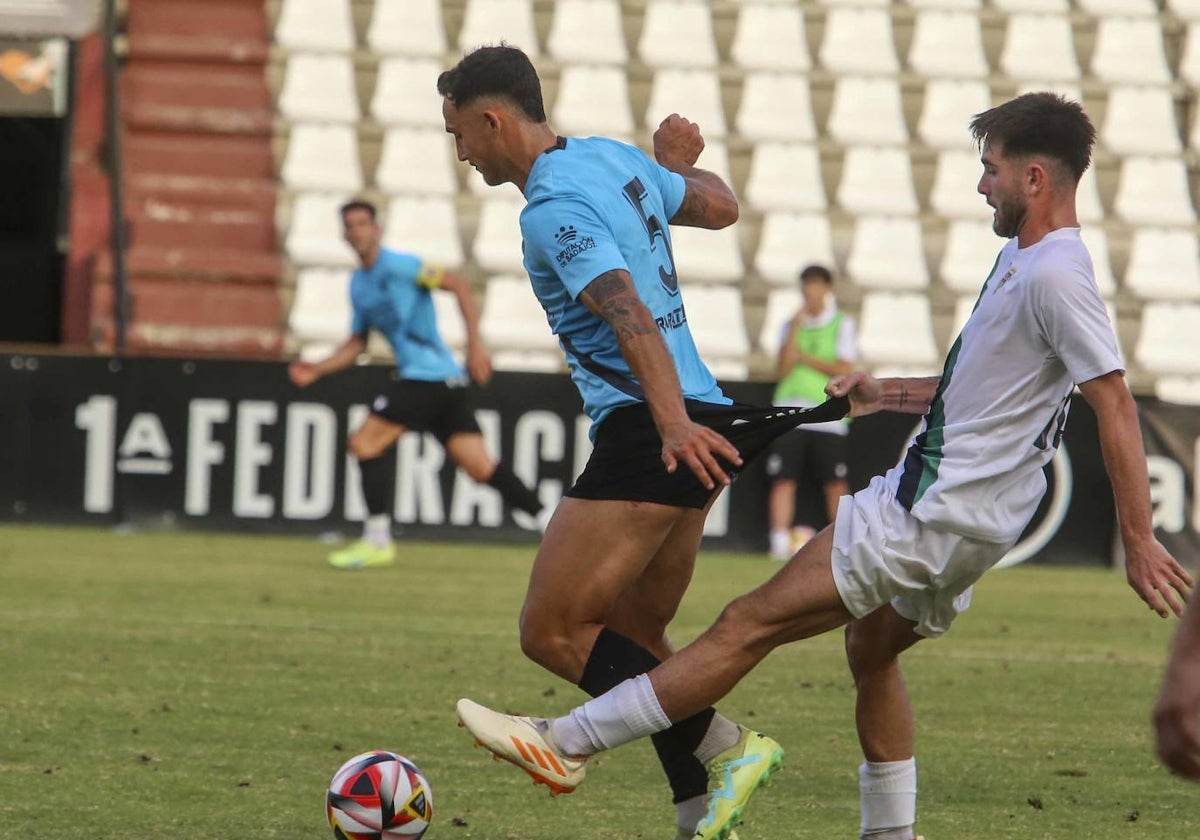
(1038,328)
(393,297)
(595,205)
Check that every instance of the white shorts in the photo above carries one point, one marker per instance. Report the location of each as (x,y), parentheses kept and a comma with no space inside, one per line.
(882,554)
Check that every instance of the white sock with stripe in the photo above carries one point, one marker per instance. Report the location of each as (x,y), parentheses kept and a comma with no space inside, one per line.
(627,712)
(888,796)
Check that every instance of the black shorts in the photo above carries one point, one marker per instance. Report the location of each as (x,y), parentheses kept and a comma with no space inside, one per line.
(809,456)
(626,462)
(440,408)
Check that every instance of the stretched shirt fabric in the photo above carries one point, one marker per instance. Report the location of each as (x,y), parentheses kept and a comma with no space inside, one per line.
(393,296)
(1038,328)
(595,205)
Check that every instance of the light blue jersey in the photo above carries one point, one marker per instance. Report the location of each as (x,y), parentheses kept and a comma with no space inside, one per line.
(595,205)
(393,297)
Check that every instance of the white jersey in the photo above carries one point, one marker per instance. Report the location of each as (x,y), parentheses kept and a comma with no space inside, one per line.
(1039,327)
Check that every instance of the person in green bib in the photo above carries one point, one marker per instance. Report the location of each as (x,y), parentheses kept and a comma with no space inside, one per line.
(818,343)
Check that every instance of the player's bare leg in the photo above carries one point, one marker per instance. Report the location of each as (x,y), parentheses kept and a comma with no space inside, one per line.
(884,717)
(469,451)
(369,443)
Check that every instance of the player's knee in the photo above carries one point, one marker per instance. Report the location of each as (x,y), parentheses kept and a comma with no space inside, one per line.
(864,654)
(479,471)
(550,648)
(738,626)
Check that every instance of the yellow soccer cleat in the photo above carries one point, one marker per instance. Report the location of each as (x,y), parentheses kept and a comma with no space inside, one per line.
(361,555)
(525,742)
(737,773)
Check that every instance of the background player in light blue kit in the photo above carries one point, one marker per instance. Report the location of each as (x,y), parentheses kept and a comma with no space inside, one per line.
(391,293)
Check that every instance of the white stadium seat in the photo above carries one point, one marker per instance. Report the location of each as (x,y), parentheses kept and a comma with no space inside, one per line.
(512,318)
(785,176)
(965,5)
(1164,264)
(963,307)
(1169,340)
(498,241)
(322,157)
(1039,47)
(896,330)
(776,106)
(321,305)
(1189,61)
(314,235)
(859,40)
(1096,240)
(715,319)
(1140,121)
(770,36)
(866,110)
(877,180)
(677,33)
(450,321)
(1188,10)
(427,226)
(971,250)
(411,28)
(416,161)
(406,92)
(493,21)
(954,194)
(695,94)
(948,43)
(1154,191)
(319,88)
(1035,6)
(1119,8)
(887,252)
(790,241)
(1130,51)
(947,110)
(1087,197)
(587,32)
(782,305)
(593,100)
(315,25)
(707,256)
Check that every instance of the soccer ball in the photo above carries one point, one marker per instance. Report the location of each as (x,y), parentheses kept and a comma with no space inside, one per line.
(379,795)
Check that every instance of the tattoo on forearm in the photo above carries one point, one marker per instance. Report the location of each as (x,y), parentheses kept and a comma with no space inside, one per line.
(614,299)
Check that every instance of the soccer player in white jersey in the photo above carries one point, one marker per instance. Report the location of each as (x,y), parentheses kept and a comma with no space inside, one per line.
(898,563)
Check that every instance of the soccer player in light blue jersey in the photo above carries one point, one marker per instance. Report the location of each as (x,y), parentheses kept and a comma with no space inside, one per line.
(621,546)
(391,293)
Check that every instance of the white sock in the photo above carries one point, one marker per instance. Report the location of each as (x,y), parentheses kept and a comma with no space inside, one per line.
(781,542)
(377,530)
(721,735)
(627,712)
(689,812)
(888,796)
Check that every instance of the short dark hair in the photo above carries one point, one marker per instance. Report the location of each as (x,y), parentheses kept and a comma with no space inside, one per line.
(1039,124)
(502,71)
(816,271)
(358,204)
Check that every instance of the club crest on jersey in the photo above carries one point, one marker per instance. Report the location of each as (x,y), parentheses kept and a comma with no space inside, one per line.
(575,246)
(1007,276)
(566,234)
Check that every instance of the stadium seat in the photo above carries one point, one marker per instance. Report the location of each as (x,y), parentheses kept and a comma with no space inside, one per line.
(948,43)
(714,315)
(695,94)
(498,244)
(1188,10)
(715,158)
(707,256)
(493,21)
(1119,8)
(964,5)
(1180,390)
(887,252)
(1039,47)
(587,32)
(593,100)
(1154,191)
(858,40)
(963,307)
(790,241)
(1087,197)
(770,36)
(315,25)
(1034,6)
(1096,241)
(1164,264)
(319,88)
(416,161)
(321,305)
(782,305)
(1130,51)
(785,176)
(406,92)
(855,3)
(426,226)
(947,110)
(1194,132)
(412,28)
(314,235)
(866,110)
(1140,121)
(877,180)
(896,330)
(677,33)
(1169,340)
(1189,61)
(775,106)
(971,250)
(954,194)
(450,322)
(513,320)
(322,157)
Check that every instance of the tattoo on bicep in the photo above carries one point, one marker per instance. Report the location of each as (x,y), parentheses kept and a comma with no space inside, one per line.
(695,204)
(613,298)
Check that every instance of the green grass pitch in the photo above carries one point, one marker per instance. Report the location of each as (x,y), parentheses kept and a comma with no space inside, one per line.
(206,687)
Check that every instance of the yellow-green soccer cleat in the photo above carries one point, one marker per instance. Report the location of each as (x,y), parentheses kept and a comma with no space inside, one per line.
(361,555)
(525,742)
(736,774)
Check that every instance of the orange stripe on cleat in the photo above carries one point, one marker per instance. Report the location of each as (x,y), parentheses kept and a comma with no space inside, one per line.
(558,768)
(538,757)
(520,748)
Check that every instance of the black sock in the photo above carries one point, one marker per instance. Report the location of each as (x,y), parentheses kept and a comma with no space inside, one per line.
(375,474)
(513,490)
(614,659)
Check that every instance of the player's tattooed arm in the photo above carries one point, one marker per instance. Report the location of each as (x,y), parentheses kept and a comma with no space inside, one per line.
(612,297)
(708,202)
(911,395)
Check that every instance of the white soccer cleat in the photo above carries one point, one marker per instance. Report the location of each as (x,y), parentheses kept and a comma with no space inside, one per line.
(525,742)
